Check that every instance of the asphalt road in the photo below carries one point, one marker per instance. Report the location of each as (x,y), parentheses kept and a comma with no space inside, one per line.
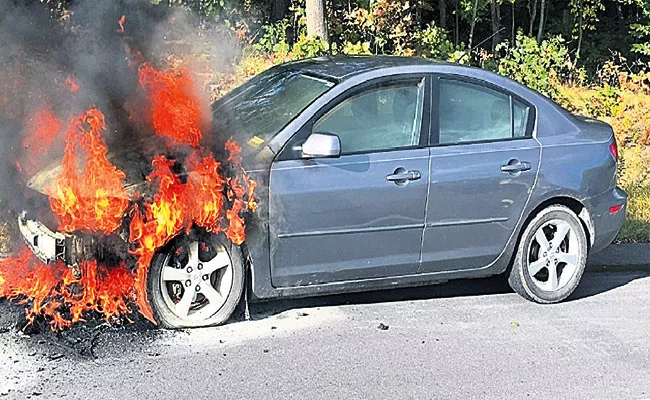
(465,340)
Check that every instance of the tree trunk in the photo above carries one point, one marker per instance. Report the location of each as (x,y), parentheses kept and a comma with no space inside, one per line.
(456,13)
(279,9)
(316,19)
(532,10)
(473,24)
(513,35)
(495,17)
(442,6)
(542,13)
(580,20)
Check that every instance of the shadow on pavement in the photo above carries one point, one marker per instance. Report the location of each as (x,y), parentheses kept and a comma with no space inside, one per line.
(603,280)
(594,282)
(458,288)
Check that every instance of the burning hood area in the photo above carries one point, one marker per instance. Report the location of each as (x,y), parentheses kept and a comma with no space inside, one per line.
(109,174)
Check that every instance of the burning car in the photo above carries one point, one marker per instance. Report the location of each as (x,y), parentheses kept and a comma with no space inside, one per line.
(374,172)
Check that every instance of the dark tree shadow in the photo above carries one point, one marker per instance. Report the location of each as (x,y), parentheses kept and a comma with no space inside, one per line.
(594,282)
(600,280)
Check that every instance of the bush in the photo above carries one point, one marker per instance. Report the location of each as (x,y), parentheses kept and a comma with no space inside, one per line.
(274,39)
(356,48)
(389,26)
(308,47)
(621,98)
(432,42)
(541,67)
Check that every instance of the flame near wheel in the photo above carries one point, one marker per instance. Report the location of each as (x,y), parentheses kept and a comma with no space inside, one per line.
(196,282)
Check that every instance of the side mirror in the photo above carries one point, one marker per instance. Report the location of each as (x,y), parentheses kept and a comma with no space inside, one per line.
(321,145)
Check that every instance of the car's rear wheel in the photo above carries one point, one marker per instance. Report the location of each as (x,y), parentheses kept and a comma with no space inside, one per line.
(551,256)
(196,282)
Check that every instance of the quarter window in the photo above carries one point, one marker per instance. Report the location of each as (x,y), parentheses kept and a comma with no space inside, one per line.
(520,113)
(381,118)
(473,113)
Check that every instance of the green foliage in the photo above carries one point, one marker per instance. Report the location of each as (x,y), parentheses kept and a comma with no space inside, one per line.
(274,39)
(540,67)
(588,10)
(641,31)
(432,42)
(459,56)
(356,48)
(389,26)
(307,47)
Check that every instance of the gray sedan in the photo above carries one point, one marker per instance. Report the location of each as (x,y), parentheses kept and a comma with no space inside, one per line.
(383,172)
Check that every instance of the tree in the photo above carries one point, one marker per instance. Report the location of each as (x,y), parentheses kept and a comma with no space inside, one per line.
(456,22)
(513,37)
(317,19)
(495,13)
(585,14)
(542,20)
(532,11)
(442,6)
(473,23)
(279,9)
(641,29)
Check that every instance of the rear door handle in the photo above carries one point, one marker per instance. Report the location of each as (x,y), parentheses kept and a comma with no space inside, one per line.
(402,175)
(514,166)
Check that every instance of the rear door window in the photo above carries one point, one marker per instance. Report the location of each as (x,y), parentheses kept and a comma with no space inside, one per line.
(471,112)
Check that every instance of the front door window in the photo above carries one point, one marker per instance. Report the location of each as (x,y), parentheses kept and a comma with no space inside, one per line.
(382,118)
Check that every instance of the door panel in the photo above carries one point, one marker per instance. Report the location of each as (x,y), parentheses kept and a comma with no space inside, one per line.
(483,168)
(342,219)
(474,206)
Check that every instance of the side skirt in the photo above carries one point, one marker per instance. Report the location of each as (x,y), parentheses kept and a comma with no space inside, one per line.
(366,285)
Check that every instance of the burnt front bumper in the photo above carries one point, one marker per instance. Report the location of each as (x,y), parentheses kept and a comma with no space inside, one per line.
(71,249)
(48,246)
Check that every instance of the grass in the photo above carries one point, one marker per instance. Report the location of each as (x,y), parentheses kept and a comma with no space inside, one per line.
(637,224)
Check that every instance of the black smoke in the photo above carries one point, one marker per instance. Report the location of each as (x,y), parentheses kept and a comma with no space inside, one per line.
(43,43)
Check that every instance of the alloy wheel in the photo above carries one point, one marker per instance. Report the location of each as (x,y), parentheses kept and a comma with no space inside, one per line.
(196,279)
(553,255)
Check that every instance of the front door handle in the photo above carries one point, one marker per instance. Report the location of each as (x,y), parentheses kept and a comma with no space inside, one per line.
(514,166)
(402,175)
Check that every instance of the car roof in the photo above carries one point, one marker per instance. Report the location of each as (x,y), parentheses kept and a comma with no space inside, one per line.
(553,119)
(341,67)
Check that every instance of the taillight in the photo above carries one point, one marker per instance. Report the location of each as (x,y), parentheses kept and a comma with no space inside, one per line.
(615,209)
(613,148)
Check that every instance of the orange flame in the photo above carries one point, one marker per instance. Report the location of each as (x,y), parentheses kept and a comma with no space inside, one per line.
(175,109)
(41,129)
(120,22)
(89,194)
(57,295)
(177,206)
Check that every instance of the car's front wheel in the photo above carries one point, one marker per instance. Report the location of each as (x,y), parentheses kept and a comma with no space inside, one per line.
(551,256)
(196,282)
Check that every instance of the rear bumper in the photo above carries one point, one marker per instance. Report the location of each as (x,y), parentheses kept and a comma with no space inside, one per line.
(606,224)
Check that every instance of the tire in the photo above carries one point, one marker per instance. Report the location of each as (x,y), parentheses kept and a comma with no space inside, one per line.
(567,257)
(183,274)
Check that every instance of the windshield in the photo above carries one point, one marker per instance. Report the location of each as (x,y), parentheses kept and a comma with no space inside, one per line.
(261,107)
